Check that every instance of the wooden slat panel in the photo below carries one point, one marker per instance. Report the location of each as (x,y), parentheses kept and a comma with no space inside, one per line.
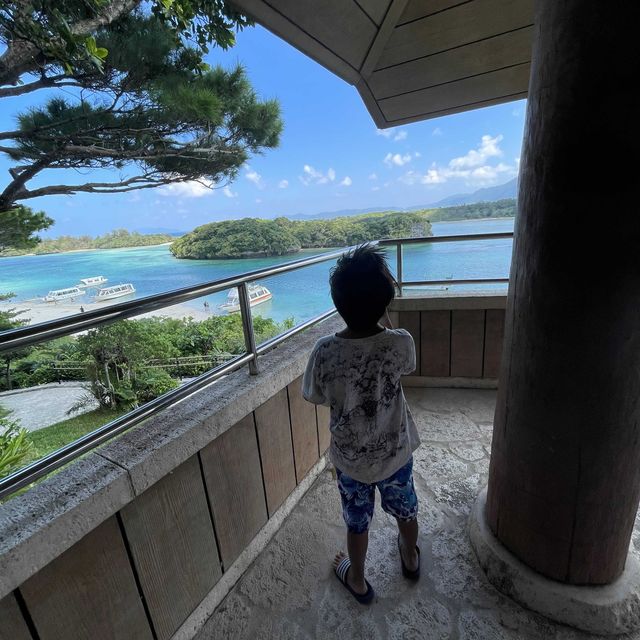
(89,592)
(410,320)
(341,27)
(276,450)
(303,429)
(324,434)
(474,59)
(435,342)
(173,546)
(497,86)
(420,8)
(493,338)
(12,624)
(467,337)
(376,9)
(231,465)
(456,27)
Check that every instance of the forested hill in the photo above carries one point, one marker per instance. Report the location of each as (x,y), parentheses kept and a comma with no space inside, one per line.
(251,237)
(477,211)
(117,239)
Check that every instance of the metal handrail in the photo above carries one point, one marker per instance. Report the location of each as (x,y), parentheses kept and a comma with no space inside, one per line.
(400,242)
(44,331)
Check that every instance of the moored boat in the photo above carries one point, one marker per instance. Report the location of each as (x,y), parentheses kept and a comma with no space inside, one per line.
(96,281)
(257,295)
(63,294)
(116,291)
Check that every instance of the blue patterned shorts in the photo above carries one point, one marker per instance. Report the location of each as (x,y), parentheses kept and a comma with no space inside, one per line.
(397,493)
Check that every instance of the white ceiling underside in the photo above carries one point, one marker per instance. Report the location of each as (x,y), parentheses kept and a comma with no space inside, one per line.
(412,59)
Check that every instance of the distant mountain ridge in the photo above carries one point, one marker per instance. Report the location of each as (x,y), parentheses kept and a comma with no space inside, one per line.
(488,194)
(504,191)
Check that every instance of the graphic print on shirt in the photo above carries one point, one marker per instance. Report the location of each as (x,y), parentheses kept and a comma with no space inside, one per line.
(360,432)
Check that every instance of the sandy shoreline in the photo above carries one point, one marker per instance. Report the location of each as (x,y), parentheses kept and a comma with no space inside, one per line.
(59,253)
(43,312)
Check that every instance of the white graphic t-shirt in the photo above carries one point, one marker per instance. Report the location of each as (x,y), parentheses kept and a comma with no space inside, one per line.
(372,431)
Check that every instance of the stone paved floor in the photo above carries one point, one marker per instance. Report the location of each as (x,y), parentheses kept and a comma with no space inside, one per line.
(290,593)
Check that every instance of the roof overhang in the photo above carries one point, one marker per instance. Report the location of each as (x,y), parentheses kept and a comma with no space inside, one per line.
(412,59)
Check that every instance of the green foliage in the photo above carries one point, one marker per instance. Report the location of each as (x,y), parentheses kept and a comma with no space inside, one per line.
(18,225)
(14,446)
(255,237)
(118,239)
(9,320)
(61,34)
(498,209)
(155,112)
(134,361)
(44,441)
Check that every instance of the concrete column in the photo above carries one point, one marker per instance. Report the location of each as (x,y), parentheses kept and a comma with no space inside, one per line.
(565,469)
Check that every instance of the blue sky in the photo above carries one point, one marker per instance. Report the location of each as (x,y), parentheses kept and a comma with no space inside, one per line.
(331,157)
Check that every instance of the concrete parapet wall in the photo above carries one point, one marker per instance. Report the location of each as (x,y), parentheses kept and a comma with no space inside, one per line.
(458,338)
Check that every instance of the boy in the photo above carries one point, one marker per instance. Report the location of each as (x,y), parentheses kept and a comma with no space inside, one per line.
(356,372)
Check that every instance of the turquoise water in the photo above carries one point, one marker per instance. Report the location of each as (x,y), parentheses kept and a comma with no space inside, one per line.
(300,294)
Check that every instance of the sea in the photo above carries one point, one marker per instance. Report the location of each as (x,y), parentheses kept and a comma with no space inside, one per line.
(300,294)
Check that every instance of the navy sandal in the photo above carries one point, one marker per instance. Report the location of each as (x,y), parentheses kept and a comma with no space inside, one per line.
(341,571)
(407,573)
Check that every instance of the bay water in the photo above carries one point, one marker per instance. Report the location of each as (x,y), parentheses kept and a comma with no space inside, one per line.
(299,294)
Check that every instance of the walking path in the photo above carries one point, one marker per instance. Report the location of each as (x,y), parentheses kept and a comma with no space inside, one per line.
(42,406)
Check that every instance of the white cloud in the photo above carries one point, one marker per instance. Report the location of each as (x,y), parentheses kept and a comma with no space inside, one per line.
(375,188)
(433,176)
(253,176)
(283,184)
(373,176)
(347,182)
(437,132)
(189,189)
(396,159)
(258,200)
(227,192)
(474,167)
(396,134)
(313,176)
(475,157)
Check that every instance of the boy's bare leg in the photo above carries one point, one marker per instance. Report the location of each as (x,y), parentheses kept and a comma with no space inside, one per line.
(357,544)
(408,540)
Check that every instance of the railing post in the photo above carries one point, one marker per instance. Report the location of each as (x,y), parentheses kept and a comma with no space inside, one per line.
(247,327)
(399,267)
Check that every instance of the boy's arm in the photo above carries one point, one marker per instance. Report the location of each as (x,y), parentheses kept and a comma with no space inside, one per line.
(311,388)
(410,365)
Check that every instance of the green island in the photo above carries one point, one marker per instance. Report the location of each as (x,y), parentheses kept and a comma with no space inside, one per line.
(118,239)
(255,237)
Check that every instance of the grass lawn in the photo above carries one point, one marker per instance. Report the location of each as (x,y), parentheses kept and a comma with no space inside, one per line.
(49,439)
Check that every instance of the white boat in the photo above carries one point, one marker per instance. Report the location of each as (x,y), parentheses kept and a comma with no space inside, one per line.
(117,291)
(63,294)
(257,295)
(96,281)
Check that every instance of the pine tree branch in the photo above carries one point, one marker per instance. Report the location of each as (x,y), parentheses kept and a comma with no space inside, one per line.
(44,83)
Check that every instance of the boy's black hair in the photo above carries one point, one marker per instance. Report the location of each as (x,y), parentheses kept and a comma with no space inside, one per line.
(362,286)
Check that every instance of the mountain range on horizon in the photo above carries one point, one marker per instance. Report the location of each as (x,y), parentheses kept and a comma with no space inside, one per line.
(486,194)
